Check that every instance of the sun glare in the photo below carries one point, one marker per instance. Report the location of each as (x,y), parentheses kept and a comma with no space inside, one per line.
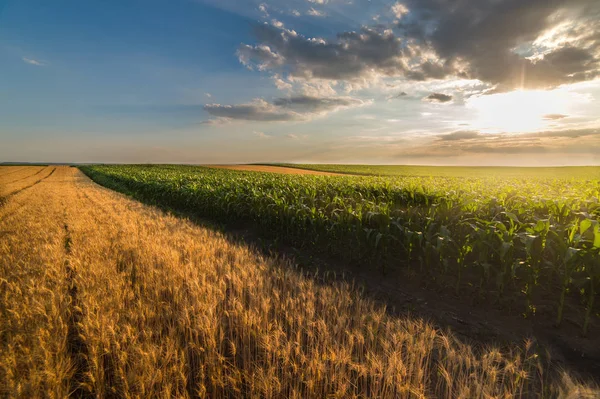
(519,111)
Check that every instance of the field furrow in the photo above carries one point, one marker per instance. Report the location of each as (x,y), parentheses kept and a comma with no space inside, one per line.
(21,183)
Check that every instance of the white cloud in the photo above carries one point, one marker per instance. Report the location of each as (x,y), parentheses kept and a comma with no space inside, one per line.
(261,135)
(316,13)
(277,24)
(31,61)
(281,84)
(208,95)
(296,13)
(399,10)
(263,8)
(318,88)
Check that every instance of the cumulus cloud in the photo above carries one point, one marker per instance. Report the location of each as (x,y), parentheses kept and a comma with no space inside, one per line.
(399,10)
(492,40)
(438,98)
(281,84)
(352,56)
(283,109)
(276,23)
(506,44)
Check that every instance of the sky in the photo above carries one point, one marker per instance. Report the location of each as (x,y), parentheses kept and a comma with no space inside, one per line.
(441,82)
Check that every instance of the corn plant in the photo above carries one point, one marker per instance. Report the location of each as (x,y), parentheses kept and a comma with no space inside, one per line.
(517,235)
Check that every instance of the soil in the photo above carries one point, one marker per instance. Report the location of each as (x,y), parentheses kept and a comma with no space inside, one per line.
(274,169)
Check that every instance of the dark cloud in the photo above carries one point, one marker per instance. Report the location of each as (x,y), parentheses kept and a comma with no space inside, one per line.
(282,109)
(402,94)
(351,56)
(482,36)
(255,111)
(316,104)
(490,40)
(460,135)
(438,98)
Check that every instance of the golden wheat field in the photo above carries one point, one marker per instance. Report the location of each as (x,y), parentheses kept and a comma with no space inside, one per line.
(101,296)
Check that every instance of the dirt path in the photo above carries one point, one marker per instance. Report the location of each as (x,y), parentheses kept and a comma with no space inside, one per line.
(274,169)
(105,297)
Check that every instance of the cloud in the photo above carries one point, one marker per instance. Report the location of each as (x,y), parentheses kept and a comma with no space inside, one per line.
(352,56)
(31,61)
(258,110)
(296,13)
(292,136)
(283,109)
(438,98)
(463,143)
(281,84)
(316,104)
(276,23)
(506,44)
(399,10)
(400,95)
(460,135)
(494,40)
(315,13)
(263,9)
(554,117)
(262,135)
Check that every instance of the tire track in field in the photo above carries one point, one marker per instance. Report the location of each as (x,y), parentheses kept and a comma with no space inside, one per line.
(13,193)
(27,177)
(12,171)
(77,347)
(114,383)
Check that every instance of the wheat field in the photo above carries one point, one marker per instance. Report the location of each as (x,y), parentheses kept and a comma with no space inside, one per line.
(103,297)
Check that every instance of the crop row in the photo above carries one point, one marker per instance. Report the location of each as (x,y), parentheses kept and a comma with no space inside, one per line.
(512,237)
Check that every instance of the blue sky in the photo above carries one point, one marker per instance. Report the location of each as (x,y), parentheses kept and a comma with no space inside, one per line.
(353,81)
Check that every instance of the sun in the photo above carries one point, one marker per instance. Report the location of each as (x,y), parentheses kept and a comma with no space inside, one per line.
(519,111)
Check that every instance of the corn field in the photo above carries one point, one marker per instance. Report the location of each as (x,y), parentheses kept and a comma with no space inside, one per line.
(508,237)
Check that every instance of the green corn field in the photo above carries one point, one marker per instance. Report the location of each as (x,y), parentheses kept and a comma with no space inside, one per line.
(520,237)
